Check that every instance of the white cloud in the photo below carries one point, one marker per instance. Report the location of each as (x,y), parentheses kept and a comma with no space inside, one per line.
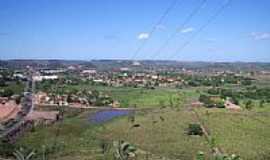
(260,35)
(142,36)
(187,30)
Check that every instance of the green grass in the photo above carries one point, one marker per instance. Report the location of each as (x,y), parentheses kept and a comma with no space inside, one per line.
(141,97)
(77,138)
(81,140)
(166,138)
(244,133)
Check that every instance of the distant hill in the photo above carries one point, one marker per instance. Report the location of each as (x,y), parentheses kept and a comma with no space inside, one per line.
(144,64)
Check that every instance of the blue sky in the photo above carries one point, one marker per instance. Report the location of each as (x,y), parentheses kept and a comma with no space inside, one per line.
(114,29)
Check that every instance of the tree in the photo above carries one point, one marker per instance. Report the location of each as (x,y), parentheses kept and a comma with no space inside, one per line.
(204,99)
(213,91)
(195,129)
(2,83)
(234,100)
(18,99)
(95,93)
(248,105)
(262,103)
(246,82)
(7,93)
(69,99)
(220,104)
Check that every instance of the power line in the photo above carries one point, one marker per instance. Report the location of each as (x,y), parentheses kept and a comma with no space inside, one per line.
(154,28)
(186,21)
(211,19)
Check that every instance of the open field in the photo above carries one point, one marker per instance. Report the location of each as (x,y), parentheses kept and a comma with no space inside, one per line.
(154,137)
(140,97)
(246,133)
(72,137)
(161,132)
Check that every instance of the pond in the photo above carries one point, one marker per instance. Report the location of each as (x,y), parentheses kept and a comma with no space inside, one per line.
(107,115)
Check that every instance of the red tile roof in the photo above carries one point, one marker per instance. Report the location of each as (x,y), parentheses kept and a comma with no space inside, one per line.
(8,110)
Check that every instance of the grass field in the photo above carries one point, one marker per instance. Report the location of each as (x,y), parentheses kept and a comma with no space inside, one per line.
(244,133)
(161,138)
(156,138)
(141,97)
(76,137)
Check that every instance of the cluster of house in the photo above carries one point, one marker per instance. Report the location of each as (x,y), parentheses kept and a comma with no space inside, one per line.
(123,77)
(71,100)
(116,77)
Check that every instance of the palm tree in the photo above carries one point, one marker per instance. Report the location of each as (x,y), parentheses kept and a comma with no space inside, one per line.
(20,155)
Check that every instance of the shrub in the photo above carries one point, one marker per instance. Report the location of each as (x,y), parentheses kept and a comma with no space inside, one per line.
(195,129)
(248,105)
(7,93)
(6,149)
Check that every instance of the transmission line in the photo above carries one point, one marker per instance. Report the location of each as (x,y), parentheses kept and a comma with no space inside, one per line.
(211,19)
(185,22)
(154,28)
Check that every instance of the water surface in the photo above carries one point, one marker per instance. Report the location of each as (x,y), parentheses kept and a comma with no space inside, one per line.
(107,115)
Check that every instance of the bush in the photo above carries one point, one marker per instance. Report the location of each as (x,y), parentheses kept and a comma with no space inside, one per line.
(213,91)
(7,93)
(195,129)
(6,149)
(248,105)
(204,99)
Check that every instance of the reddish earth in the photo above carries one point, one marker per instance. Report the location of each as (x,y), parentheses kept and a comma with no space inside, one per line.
(8,110)
(43,115)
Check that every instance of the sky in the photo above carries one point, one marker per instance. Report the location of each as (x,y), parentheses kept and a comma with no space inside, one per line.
(115,29)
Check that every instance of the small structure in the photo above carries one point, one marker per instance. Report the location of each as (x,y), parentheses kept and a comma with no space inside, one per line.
(115,104)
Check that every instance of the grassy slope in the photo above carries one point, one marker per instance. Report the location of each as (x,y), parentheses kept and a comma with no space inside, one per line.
(248,136)
(244,133)
(166,138)
(80,139)
(76,138)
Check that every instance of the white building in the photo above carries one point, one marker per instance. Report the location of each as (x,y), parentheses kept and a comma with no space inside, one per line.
(48,77)
(89,71)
